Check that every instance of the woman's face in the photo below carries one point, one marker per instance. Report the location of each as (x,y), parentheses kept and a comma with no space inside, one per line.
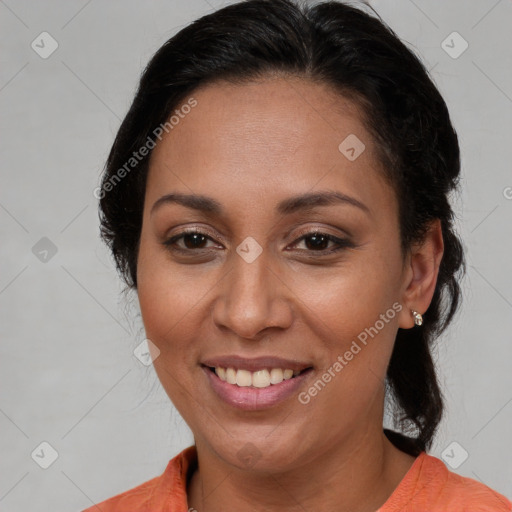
(258,283)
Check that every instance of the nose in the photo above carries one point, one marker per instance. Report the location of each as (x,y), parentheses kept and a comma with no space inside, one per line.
(252,297)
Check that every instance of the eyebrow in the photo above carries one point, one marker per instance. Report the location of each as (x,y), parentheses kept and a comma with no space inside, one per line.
(288,206)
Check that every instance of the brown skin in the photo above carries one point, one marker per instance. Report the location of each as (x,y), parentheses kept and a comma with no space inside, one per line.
(249,147)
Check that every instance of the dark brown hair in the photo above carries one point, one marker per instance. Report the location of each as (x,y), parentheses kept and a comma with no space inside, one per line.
(362,58)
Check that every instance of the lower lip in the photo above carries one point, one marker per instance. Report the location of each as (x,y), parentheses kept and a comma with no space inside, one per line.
(250,398)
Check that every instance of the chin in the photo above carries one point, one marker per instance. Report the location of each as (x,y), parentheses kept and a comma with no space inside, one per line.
(265,453)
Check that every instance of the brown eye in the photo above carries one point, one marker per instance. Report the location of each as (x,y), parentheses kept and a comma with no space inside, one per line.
(194,240)
(319,242)
(191,240)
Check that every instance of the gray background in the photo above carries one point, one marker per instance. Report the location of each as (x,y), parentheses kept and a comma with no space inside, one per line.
(68,375)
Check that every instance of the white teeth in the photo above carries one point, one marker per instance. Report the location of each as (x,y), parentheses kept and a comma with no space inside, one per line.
(243,378)
(230,376)
(276,376)
(221,373)
(261,379)
(258,379)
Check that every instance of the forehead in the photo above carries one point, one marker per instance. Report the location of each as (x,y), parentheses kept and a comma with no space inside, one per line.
(279,135)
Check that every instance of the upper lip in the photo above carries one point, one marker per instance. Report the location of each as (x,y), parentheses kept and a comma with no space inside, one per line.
(254,364)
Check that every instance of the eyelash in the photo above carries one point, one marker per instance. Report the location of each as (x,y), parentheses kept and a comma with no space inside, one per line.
(342,243)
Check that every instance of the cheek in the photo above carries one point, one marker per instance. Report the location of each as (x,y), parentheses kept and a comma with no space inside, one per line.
(167,303)
(355,320)
(168,300)
(353,310)
(164,304)
(350,297)
(165,291)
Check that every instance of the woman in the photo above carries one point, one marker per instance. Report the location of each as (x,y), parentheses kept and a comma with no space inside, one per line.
(277,195)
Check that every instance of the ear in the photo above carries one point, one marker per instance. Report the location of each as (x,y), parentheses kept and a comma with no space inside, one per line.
(420,274)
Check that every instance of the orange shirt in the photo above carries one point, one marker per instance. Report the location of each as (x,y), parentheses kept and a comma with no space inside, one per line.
(428,486)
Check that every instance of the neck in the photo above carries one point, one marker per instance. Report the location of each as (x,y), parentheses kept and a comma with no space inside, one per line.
(337,478)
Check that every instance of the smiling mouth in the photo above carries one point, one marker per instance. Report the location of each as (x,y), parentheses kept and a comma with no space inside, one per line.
(263,378)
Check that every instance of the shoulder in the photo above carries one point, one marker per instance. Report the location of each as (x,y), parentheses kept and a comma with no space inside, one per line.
(430,486)
(165,492)
(472,494)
